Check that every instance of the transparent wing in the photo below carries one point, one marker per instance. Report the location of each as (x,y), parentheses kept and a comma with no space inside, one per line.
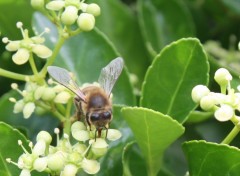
(62,77)
(110,74)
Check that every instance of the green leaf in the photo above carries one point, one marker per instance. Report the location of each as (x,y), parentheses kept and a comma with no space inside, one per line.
(126,35)
(9,16)
(146,124)
(9,148)
(174,72)
(32,125)
(85,55)
(233,5)
(199,116)
(205,158)
(163,22)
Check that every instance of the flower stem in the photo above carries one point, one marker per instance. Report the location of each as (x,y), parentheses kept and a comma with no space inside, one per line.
(231,135)
(67,123)
(13,75)
(33,65)
(53,57)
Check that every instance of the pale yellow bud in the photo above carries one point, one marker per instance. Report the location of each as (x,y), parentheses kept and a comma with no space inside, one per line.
(56,161)
(45,136)
(18,107)
(48,94)
(37,4)
(222,76)
(38,39)
(224,113)
(39,92)
(39,148)
(86,21)
(13,46)
(21,56)
(55,5)
(62,97)
(28,110)
(40,164)
(70,15)
(198,92)
(90,166)
(113,134)
(25,172)
(99,147)
(93,9)
(42,51)
(69,170)
(207,103)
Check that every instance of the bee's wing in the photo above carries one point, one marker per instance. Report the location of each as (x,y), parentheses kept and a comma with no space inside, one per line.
(62,77)
(110,74)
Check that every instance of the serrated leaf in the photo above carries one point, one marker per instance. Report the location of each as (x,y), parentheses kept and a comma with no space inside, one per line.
(85,55)
(9,148)
(163,22)
(205,158)
(146,124)
(174,72)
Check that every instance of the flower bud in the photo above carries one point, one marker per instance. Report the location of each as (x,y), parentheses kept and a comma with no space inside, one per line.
(25,172)
(42,51)
(21,56)
(26,161)
(45,136)
(222,76)
(80,148)
(39,148)
(86,21)
(100,147)
(90,166)
(93,9)
(113,134)
(55,5)
(70,15)
(13,46)
(75,157)
(28,110)
(79,132)
(39,92)
(199,92)
(18,107)
(48,94)
(69,170)
(56,161)
(62,97)
(224,113)
(37,4)
(207,103)
(40,164)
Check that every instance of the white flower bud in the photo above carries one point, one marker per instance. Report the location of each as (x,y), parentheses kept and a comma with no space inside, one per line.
(13,46)
(76,126)
(28,110)
(25,172)
(224,113)
(48,94)
(207,103)
(69,170)
(90,166)
(222,76)
(18,107)
(70,15)
(199,92)
(45,136)
(62,97)
(39,92)
(56,161)
(55,5)
(100,147)
(21,56)
(37,4)
(13,100)
(40,164)
(93,9)
(83,6)
(41,51)
(75,157)
(113,134)
(26,161)
(80,148)
(39,148)
(86,21)
(79,132)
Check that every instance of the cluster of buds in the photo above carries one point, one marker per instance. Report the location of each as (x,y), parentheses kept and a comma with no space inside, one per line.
(35,97)
(71,12)
(28,45)
(65,159)
(223,104)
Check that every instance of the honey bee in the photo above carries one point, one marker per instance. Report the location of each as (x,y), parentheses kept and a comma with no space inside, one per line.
(92,102)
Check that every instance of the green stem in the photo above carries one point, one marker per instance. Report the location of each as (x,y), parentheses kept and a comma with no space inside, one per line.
(53,57)
(33,65)
(67,123)
(231,135)
(13,75)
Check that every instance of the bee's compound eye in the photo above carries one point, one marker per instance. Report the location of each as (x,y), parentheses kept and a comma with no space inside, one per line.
(107,115)
(95,117)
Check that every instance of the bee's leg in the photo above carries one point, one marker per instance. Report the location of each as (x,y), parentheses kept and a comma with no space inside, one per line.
(88,122)
(99,131)
(106,132)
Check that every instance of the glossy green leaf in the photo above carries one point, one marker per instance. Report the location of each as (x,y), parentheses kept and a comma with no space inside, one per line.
(32,125)
(85,55)
(198,116)
(163,22)
(11,12)
(205,158)
(174,72)
(120,24)
(154,132)
(9,148)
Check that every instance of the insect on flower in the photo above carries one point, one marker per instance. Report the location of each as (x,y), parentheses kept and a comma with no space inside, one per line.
(92,102)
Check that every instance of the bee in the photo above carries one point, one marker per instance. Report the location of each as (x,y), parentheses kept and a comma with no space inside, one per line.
(92,102)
